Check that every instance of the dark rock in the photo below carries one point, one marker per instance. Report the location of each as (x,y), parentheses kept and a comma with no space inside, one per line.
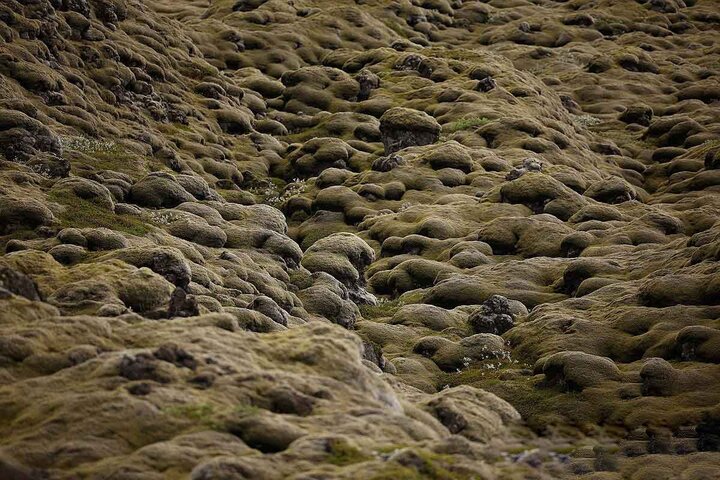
(712,159)
(486,84)
(265,433)
(528,165)
(403,127)
(372,352)
(494,316)
(570,104)
(203,380)
(269,308)
(387,163)
(18,283)
(453,420)
(50,165)
(640,114)
(87,189)
(413,62)
(168,262)
(159,191)
(182,304)
(141,367)
(18,214)
(11,470)
(368,82)
(140,389)
(172,353)
(599,64)
(708,432)
(289,401)
(22,137)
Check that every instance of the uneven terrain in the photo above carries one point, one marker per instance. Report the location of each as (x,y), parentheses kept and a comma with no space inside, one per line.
(409,239)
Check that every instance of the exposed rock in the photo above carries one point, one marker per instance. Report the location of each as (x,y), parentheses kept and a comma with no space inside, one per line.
(494,316)
(182,304)
(402,127)
(17,283)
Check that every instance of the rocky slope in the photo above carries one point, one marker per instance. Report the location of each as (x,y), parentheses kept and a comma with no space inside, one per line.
(264,239)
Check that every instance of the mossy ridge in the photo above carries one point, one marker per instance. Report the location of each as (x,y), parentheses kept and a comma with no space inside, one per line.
(104,155)
(343,453)
(542,408)
(429,465)
(246,410)
(81,213)
(428,23)
(546,410)
(384,308)
(465,124)
(199,412)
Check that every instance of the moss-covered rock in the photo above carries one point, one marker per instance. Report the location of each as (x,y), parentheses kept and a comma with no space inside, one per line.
(402,127)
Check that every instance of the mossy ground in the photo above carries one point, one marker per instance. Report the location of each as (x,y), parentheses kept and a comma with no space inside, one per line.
(465,124)
(537,190)
(80,213)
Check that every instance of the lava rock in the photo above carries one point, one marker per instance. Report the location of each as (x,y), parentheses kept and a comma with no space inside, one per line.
(640,114)
(404,127)
(182,304)
(387,163)
(12,281)
(494,316)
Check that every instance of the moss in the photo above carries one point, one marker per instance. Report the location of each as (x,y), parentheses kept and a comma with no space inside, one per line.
(202,413)
(105,155)
(181,127)
(542,408)
(465,124)
(567,450)
(545,409)
(483,373)
(319,130)
(304,135)
(20,234)
(433,466)
(701,150)
(342,453)
(397,472)
(391,448)
(242,197)
(384,309)
(81,213)
(247,410)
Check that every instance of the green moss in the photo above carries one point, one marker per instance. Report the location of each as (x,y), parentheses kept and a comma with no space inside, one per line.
(323,230)
(305,135)
(465,124)
(247,410)
(545,408)
(567,450)
(197,413)
(80,213)
(342,453)
(24,233)
(390,448)
(397,472)
(238,196)
(384,309)
(105,155)
(433,467)
(182,127)
(701,150)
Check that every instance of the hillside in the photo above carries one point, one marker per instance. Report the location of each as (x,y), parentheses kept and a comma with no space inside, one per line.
(369,239)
